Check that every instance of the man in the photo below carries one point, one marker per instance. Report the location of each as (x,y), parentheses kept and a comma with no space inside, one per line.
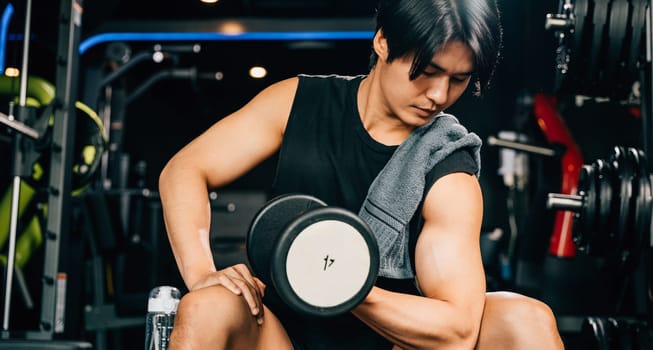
(335,135)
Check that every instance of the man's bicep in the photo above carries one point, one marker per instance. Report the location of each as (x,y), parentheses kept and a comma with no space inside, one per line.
(447,256)
(240,141)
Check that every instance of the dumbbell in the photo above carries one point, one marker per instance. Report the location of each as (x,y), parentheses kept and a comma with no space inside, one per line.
(613,206)
(321,260)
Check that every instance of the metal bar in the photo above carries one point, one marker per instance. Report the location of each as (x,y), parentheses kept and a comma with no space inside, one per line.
(22,98)
(19,126)
(13,226)
(561,201)
(17,164)
(493,141)
(63,134)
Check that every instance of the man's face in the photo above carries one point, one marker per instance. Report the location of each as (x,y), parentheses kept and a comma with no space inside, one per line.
(441,83)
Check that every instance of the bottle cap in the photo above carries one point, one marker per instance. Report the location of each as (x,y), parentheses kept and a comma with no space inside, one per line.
(163,299)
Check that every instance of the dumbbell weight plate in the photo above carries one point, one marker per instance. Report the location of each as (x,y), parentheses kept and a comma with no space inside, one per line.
(585,219)
(624,168)
(579,43)
(617,29)
(595,333)
(604,179)
(325,262)
(638,23)
(642,202)
(631,240)
(267,225)
(599,19)
(581,10)
(645,200)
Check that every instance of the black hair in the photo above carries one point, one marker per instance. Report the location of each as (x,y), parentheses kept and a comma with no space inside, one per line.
(422,27)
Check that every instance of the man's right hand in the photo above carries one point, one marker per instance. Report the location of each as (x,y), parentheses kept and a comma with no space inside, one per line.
(239,280)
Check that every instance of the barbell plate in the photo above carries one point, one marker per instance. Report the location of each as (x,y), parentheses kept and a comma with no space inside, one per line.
(632,244)
(325,263)
(613,160)
(267,225)
(580,235)
(637,28)
(625,190)
(590,205)
(640,221)
(645,198)
(89,145)
(578,43)
(596,331)
(617,29)
(604,196)
(577,232)
(581,10)
(599,19)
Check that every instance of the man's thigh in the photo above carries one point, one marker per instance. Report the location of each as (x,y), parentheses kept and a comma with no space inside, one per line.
(272,334)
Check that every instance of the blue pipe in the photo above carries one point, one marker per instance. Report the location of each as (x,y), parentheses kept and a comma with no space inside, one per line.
(4,27)
(203,36)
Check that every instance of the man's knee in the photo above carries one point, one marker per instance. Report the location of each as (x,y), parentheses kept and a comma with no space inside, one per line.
(516,319)
(215,307)
(215,318)
(523,311)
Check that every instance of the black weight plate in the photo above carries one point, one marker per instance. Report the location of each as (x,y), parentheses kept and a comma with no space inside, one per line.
(613,160)
(604,196)
(611,327)
(581,10)
(638,22)
(268,224)
(617,29)
(624,337)
(599,19)
(580,235)
(641,212)
(589,206)
(325,263)
(632,235)
(578,44)
(594,334)
(644,216)
(625,177)
(645,200)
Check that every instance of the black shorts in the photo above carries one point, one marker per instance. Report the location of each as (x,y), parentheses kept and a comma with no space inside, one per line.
(296,345)
(344,332)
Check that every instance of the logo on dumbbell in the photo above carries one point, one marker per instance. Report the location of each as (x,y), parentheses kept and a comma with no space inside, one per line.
(328,262)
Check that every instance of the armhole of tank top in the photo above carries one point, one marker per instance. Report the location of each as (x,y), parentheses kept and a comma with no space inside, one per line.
(301,86)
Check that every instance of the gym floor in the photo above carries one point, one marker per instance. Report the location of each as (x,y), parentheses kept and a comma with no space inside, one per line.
(117,248)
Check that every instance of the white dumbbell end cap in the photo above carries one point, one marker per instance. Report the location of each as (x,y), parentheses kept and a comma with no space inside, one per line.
(328,263)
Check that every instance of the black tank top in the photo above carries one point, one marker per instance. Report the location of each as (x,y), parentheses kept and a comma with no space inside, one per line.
(327,153)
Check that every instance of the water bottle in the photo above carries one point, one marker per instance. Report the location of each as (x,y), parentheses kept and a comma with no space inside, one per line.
(161,309)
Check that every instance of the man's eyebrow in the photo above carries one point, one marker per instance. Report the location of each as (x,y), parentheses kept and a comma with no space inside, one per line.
(434,65)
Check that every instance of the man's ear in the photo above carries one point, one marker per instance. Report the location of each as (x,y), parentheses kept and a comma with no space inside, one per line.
(380,44)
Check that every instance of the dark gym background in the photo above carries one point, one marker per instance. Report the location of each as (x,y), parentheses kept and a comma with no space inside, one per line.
(172,111)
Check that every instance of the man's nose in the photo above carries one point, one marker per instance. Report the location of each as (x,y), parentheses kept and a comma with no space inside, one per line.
(438,90)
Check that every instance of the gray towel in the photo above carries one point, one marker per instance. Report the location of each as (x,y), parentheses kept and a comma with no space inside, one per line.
(395,194)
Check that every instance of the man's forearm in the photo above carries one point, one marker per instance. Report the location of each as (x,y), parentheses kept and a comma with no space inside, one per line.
(186,211)
(415,322)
